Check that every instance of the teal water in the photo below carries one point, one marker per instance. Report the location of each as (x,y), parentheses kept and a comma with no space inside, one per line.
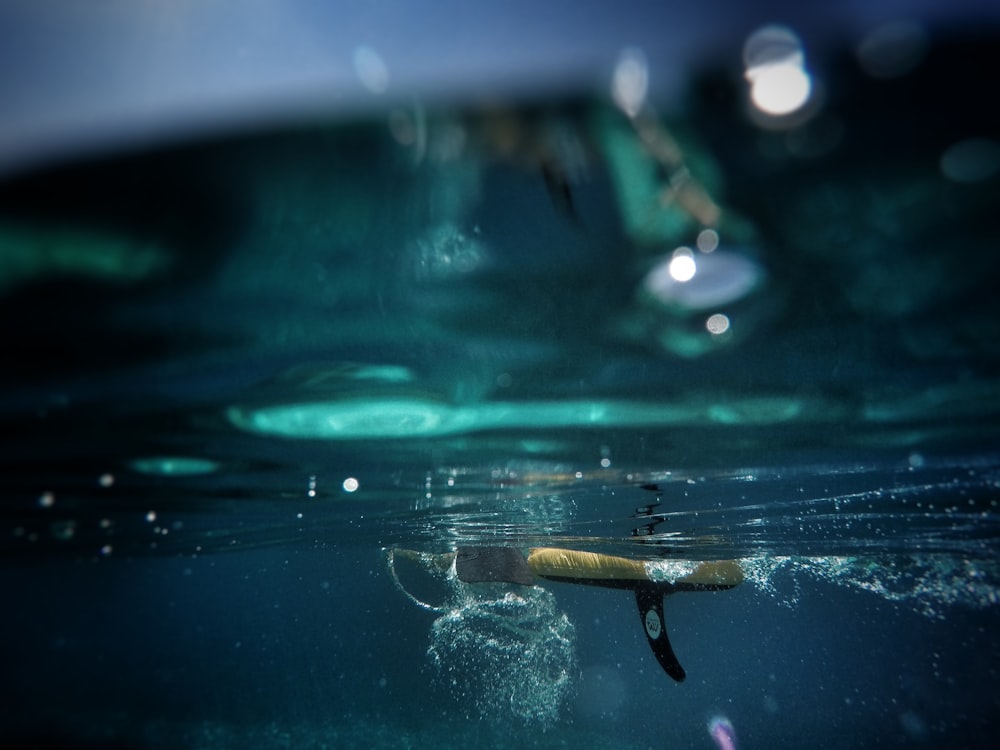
(241,374)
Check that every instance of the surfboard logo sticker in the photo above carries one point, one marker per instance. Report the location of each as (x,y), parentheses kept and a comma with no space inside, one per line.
(653,625)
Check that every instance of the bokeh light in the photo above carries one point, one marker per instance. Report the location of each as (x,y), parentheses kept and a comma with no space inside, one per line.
(893,49)
(630,82)
(708,240)
(719,278)
(717,324)
(775,68)
(682,267)
(971,160)
(371,69)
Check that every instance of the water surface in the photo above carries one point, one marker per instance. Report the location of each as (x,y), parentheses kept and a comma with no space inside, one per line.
(242,374)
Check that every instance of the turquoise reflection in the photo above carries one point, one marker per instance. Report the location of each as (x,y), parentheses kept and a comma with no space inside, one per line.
(390,417)
(181,466)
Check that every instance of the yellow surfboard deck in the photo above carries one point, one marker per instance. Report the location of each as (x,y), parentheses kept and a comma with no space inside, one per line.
(553,562)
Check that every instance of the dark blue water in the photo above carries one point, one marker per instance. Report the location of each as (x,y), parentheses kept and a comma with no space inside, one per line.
(256,390)
(269,632)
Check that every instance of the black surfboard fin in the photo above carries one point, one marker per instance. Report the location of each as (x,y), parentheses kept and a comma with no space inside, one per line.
(649,597)
(492,564)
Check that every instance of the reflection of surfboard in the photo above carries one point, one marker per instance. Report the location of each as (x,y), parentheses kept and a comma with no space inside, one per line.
(506,564)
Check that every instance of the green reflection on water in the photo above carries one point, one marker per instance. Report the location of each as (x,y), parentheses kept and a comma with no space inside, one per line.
(390,417)
(181,466)
(29,253)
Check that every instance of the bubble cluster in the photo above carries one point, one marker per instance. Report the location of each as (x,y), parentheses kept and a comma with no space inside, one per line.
(929,583)
(510,655)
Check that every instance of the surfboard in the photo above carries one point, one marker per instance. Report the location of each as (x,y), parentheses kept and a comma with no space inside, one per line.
(506,564)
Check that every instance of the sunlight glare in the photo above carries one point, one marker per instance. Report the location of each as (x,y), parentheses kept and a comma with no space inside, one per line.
(682,265)
(775,68)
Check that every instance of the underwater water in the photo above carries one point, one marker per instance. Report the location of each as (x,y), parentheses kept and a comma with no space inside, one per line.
(257,389)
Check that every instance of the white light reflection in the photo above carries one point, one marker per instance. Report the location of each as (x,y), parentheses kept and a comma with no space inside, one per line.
(717,324)
(708,240)
(775,68)
(630,82)
(351,484)
(780,89)
(682,266)
(723,277)
(371,69)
